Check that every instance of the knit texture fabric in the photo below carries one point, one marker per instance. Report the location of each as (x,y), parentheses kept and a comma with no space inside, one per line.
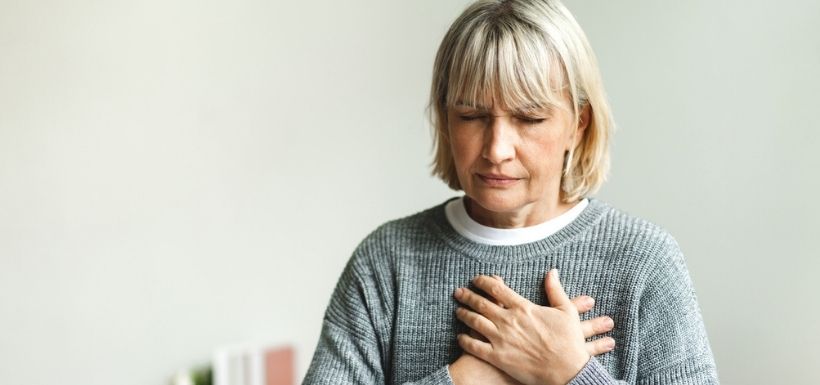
(391,318)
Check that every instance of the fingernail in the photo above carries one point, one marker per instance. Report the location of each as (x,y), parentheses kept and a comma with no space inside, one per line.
(555,271)
(458,292)
(590,301)
(610,344)
(609,322)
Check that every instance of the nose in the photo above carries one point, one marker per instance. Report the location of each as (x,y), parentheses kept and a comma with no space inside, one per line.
(499,141)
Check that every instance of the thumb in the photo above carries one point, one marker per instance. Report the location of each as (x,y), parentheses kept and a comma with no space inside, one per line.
(556,295)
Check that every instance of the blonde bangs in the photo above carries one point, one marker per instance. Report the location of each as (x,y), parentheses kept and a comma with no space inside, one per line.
(505,63)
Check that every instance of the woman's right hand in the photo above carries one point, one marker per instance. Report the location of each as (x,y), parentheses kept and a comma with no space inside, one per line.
(468,370)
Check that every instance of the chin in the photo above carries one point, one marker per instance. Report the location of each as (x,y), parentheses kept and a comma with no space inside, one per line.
(495,202)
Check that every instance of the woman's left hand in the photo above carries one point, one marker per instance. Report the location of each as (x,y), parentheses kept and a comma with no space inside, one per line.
(533,344)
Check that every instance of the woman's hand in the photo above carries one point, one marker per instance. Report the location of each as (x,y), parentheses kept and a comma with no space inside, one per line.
(532,344)
(468,369)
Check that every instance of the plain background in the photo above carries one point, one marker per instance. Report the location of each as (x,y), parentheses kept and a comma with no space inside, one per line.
(179,175)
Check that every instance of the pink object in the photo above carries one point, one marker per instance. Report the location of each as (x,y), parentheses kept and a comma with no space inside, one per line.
(279,366)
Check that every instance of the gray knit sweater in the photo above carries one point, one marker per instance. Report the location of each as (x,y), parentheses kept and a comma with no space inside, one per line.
(391,317)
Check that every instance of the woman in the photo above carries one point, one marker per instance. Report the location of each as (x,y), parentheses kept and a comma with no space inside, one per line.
(458,293)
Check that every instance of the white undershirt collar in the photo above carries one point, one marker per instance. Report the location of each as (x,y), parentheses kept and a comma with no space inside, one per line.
(457,216)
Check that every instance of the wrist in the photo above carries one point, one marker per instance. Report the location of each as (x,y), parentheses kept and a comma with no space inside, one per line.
(456,371)
(571,370)
(470,370)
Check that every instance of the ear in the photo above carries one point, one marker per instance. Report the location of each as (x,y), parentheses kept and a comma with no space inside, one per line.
(584,117)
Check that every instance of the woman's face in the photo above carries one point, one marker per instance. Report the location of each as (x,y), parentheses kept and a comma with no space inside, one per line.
(509,163)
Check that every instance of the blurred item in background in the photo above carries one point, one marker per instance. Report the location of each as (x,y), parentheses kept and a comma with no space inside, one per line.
(246,364)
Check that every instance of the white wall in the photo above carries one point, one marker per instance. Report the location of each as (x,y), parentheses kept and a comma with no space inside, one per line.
(717,104)
(167,166)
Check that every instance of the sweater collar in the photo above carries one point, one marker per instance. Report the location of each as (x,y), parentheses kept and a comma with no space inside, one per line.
(590,215)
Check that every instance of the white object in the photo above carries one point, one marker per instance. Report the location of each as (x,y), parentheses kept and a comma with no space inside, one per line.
(476,232)
(242,364)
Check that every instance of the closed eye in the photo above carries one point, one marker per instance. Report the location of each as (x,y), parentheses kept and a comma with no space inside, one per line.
(530,120)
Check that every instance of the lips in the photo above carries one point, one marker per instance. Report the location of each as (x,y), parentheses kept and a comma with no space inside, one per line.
(498,180)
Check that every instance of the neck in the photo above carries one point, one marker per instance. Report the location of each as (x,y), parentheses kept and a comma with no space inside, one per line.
(529,215)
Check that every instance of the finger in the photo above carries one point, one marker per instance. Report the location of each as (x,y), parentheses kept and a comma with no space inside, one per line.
(475,347)
(476,302)
(584,303)
(600,346)
(477,322)
(555,292)
(595,326)
(495,301)
(498,290)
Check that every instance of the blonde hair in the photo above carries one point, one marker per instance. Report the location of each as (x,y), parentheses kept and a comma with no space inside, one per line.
(522,53)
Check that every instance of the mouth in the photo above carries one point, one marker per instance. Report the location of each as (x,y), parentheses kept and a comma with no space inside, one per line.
(497,180)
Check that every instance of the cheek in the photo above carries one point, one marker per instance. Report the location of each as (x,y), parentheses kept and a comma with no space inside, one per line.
(546,158)
(465,149)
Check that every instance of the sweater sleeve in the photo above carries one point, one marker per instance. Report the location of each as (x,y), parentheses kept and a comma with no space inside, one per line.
(674,348)
(351,349)
(594,373)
